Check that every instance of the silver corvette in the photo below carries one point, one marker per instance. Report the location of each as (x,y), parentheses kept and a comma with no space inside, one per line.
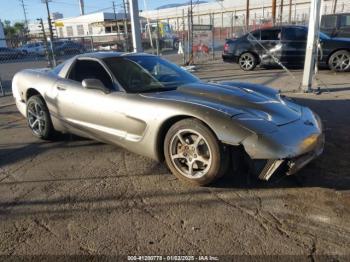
(155,108)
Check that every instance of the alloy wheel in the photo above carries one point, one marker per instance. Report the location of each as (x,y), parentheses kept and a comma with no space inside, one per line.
(247,62)
(36,118)
(190,153)
(340,61)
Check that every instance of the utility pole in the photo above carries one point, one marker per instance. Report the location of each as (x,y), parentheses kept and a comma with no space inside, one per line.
(49,17)
(281,12)
(190,34)
(25,14)
(183,36)
(82,8)
(290,12)
(45,40)
(135,26)
(247,16)
(274,12)
(126,37)
(149,32)
(115,17)
(311,46)
(50,30)
(335,3)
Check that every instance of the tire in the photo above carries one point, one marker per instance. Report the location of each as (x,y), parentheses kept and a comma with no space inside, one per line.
(339,61)
(247,61)
(176,45)
(190,140)
(38,118)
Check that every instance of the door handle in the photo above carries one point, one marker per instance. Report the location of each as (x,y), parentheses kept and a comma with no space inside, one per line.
(61,88)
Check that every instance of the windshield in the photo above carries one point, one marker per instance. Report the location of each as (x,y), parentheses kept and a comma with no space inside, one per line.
(139,74)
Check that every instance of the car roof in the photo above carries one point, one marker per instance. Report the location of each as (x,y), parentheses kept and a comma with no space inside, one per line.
(339,14)
(109,54)
(282,27)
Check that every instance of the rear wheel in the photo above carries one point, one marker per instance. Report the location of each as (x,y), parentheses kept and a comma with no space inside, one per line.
(247,61)
(193,153)
(340,61)
(176,45)
(38,118)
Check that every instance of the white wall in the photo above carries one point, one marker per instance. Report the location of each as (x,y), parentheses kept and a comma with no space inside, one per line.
(2,36)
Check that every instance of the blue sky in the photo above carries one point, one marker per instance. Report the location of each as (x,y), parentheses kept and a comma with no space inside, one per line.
(12,10)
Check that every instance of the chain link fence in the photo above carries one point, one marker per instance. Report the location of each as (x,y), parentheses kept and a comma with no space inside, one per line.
(170,37)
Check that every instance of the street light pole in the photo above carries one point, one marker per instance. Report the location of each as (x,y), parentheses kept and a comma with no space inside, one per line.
(311,47)
(135,26)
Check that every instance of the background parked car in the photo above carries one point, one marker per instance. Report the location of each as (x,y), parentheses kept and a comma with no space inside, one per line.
(336,25)
(10,53)
(288,45)
(33,49)
(68,48)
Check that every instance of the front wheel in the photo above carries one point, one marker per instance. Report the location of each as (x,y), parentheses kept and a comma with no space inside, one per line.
(247,61)
(340,61)
(193,153)
(38,118)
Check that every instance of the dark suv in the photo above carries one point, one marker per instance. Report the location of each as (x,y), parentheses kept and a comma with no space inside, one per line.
(336,25)
(285,44)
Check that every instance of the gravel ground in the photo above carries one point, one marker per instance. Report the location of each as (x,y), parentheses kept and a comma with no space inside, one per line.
(76,196)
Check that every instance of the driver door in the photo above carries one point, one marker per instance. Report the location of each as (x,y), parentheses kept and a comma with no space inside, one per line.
(271,41)
(88,112)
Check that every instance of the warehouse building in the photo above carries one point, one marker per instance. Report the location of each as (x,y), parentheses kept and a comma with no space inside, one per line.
(229,13)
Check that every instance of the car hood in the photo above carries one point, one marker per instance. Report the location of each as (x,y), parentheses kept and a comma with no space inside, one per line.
(236,100)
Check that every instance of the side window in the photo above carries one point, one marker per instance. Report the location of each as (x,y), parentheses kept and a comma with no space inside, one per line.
(271,34)
(329,21)
(83,69)
(345,21)
(294,34)
(253,36)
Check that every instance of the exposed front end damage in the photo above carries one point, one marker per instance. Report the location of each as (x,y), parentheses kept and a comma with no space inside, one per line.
(290,147)
(292,165)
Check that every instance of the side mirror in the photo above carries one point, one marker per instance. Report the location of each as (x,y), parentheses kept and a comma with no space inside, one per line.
(91,83)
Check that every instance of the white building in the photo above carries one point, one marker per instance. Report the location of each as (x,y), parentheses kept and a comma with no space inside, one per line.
(35,29)
(101,23)
(229,13)
(2,36)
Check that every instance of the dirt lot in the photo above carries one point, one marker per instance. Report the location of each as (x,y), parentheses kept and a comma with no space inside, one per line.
(75,196)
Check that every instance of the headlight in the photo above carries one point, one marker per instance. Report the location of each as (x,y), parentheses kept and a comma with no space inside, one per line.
(310,141)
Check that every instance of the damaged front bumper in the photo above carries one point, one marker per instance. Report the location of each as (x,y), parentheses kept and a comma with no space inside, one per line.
(293,164)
